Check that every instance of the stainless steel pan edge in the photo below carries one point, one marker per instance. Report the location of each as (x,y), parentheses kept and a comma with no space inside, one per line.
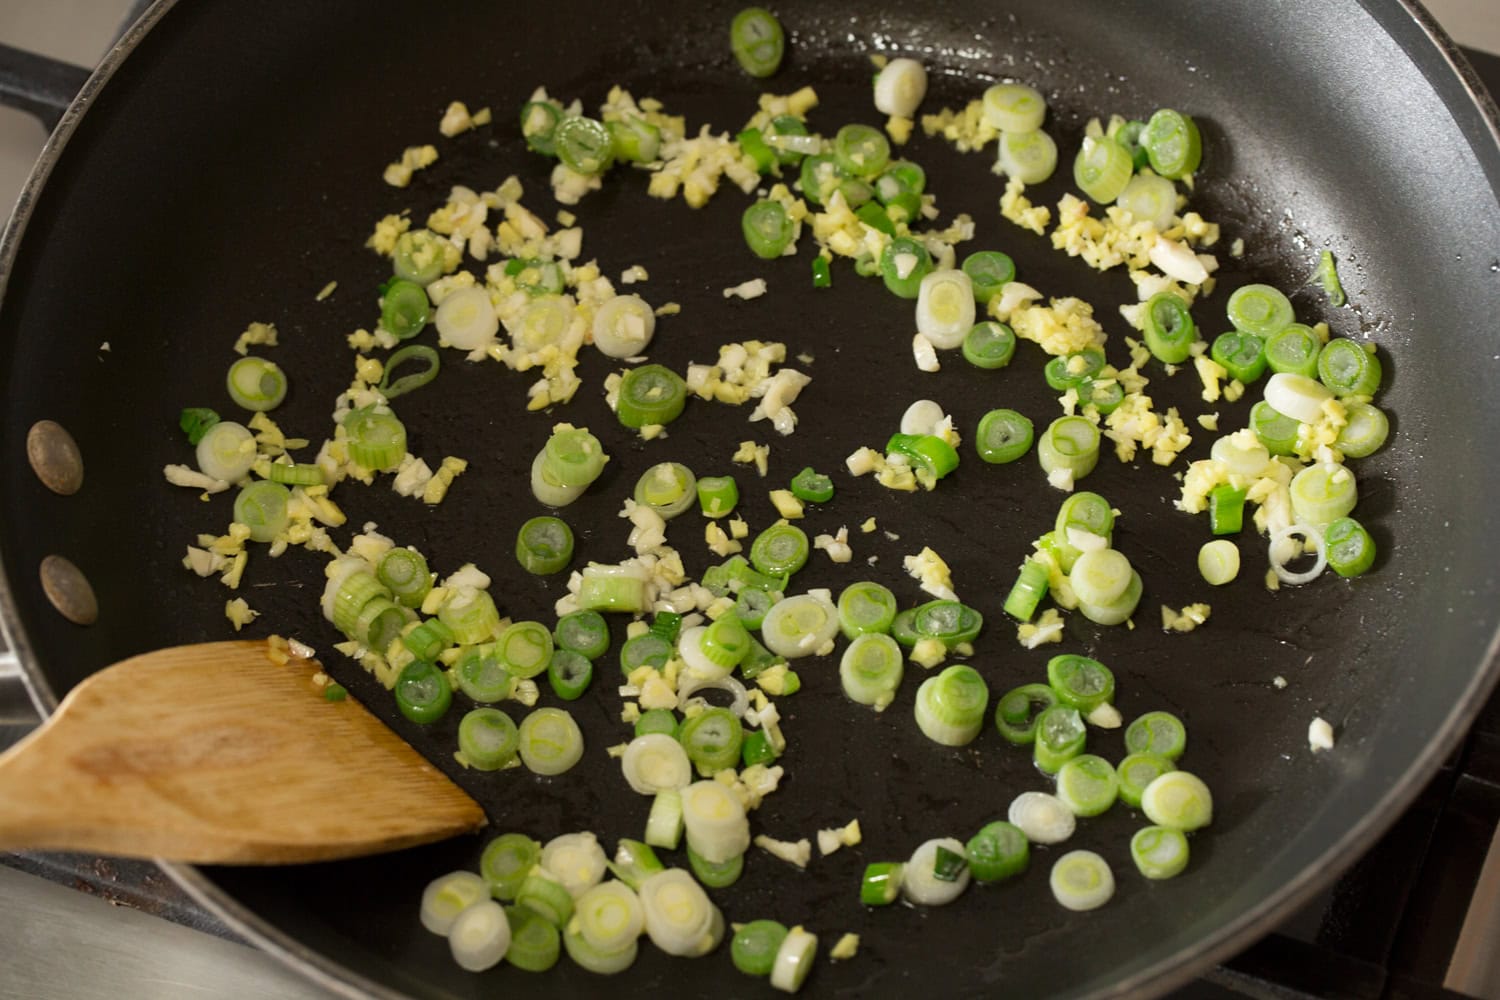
(1416,33)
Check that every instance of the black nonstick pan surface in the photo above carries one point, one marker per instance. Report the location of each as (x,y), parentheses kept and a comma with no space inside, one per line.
(228,167)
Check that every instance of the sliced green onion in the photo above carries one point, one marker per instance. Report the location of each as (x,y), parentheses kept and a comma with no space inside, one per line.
(657,720)
(1243,355)
(651,394)
(1226,509)
(871,669)
(447,896)
(1260,309)
(1351,550)
(818,178)
(767,228)
(539,124)
(951,621)
(1137,771)
(550,741)
(536,276)
(1168,328)
(904,263)
(680,917)
(586,956)
(948,865)
(664,824)
(506,862)
(300,474)
(634,139)
(487,738)
(1029,157)
(1086,511)
(754,946)
(646,649)
(583,632)
(901,177)
(899,87)
(377,439)
(1081,880)
(715,875)
(788,135)
(794,960)
(471,615)
(757,749)
(950,707)
(753,144)
(569,673)
(881,885)
(1129,136)
(725,642)
(1159,733)
(1028,590)
(634,862)
(467,320)
(482,678)
(335,692)
(546,489)
(669,488)
(1042,817)
(756,38)
(1277,431)
(1069,444)
(1172,143)
(610,917)
(1019,710)
(262,507)
(866,607)
(1102,169)
(404,308)
(226,451)
(1080,682)
(1298,396)
(1294,348)
(1014,107)
(573,457)
(903,628)
(717,495)
(575,861)
(712,740)
(547,897)
(945,307)
(1219,562)
(822,277)
(860,150)
(420,255)
(1100,576)
(750,607)
(380,624)
(614,588)
(584,144)
(800,626)
(1149,199)
(779,550)
(422,693)
(1328,277)
(195,422)
(997,852)
(812,486)
(1323,493)
(1365,432)
(923,882)
(428,640)
(1347,369)
(1060,736)
(1087,784)
(1178,800)
(1159,852)
(989,272)
(1118,611)
(927,453)
(623,326)
(544,545)
(256,384)
(989,345)
(1072,371)
(347,595)
(534,941)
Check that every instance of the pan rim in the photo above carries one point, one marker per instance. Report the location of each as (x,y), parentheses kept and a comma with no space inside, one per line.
(1232,937)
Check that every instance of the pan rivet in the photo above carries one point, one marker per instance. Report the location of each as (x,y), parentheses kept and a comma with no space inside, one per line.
(69,591)
(54,457)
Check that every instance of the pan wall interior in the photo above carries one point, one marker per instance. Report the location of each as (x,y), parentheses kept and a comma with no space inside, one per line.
(232,168)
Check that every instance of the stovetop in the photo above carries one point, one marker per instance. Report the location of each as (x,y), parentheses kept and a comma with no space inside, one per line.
(1393,926)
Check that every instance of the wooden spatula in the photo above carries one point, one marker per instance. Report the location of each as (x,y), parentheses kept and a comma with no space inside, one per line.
(213,753)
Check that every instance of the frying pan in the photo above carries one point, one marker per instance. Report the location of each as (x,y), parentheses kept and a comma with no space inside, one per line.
(229,166)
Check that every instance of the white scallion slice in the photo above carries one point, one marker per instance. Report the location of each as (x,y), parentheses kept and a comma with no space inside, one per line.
(547,491)
(945,308)
(226,451)
(1219,561)
(1178,800)
(480,936)
(1285,548)
(1150,198)
(921,417)
(1297,396)
(449,895)
(623,326)
(794,960)
(664,824)
(576,860)
(717,828)
(800,625)
(919,882)
(610,917)
(1117,611)
(1081,880)
(690,650)
(1014,107)
(678,914)
(690,683)
(1159,852)
(1042,817)
(1323,493)
(545,323)
(900,87)
(467,320)
(551,742)
(1029,157)
(1100,576)
(654,762)
(1242,454)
